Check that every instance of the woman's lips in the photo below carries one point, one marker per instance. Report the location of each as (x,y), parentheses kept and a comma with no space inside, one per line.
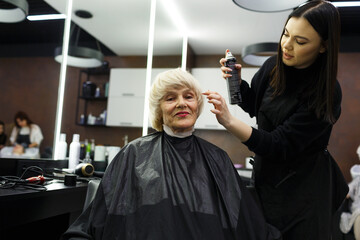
(182,114)
(287,56)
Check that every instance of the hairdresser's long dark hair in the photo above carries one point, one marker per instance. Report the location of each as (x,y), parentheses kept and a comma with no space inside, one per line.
(22,116)
(325,19)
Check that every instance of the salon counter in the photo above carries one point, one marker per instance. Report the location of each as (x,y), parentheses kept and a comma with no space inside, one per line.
(35,214)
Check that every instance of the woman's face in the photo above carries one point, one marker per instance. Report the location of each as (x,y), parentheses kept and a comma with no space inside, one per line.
(300,43)
(21,123)
(180,109)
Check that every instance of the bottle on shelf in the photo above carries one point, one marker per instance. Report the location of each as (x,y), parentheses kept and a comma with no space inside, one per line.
(97,92)
(82,119)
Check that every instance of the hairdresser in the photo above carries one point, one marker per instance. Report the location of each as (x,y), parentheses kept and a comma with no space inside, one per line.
(296,99)
(25,133)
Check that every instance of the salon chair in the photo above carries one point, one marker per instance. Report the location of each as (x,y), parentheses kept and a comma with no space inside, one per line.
(91,192)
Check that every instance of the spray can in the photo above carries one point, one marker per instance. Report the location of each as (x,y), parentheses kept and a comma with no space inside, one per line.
(233,84)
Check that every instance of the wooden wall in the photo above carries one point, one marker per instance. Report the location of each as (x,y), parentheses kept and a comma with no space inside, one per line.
(345,137)
(30,84)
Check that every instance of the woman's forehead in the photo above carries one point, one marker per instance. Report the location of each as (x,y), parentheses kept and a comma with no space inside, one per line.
(178,89)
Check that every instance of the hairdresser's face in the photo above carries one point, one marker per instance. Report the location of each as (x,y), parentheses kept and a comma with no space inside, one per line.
(21,123)
(300,44)
(179,108)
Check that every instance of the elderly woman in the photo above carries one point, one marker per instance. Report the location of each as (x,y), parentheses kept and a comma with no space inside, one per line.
(172,184)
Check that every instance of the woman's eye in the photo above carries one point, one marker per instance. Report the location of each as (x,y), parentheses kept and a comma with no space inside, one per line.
(189,97)
(300,43)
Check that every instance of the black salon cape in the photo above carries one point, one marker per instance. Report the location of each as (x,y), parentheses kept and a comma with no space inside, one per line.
(165,188)
(300,186)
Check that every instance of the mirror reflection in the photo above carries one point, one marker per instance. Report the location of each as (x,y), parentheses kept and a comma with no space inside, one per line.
(29,83)
(168,42)
(105,105)
(122,39)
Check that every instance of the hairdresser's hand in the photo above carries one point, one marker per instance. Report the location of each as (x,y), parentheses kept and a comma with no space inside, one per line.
(220,109)
(18,149)
(225,70)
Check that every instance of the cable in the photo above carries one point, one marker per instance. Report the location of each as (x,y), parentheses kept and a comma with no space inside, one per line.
(29,183)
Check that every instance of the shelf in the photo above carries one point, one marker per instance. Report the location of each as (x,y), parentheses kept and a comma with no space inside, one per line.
(91,102)
(91,125)
(96,71)
(94,98)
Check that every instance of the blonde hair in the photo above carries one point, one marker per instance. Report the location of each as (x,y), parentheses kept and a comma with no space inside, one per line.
(175,78)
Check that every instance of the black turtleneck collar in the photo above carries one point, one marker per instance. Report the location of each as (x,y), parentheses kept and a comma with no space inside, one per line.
(298,79)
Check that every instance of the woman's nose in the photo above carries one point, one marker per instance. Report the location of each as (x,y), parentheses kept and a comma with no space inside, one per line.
(181,102)
(287,44)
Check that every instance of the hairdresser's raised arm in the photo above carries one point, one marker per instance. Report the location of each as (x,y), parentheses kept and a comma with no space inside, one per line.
(237,127)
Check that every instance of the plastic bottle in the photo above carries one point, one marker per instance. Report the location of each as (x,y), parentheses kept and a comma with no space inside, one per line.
(97,92)
(92,149)
(74,152)
(82,119)
(62,148)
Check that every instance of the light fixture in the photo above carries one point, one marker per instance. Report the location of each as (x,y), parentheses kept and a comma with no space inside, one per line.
(346,4)
(81,56)
(268,6)
(45,17)
(256,54)
(12,11)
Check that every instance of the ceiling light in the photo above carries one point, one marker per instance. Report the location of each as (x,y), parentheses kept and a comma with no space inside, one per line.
(81,56)
(256,54)
(12,11)
(268,6)
(46,17)
(346,4)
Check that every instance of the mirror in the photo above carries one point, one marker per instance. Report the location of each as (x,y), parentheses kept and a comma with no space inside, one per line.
(29,75)
(167,45)
(121,28)
(168,38)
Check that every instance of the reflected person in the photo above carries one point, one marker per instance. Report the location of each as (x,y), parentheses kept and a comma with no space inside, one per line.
(172,184)
(25,133)
(3,136)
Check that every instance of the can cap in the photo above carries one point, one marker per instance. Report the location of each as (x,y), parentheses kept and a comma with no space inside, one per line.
(228,54)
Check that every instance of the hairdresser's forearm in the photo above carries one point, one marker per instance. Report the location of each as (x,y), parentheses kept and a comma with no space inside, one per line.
(238,128)
(33,145)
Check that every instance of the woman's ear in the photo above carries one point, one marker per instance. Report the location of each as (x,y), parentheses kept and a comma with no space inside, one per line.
(323,47)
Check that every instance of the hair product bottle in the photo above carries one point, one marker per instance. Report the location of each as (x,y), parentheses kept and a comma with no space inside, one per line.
(74,152)
(62,148)
(233,84)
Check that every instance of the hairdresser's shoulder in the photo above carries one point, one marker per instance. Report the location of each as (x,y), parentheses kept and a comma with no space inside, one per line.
(270,62)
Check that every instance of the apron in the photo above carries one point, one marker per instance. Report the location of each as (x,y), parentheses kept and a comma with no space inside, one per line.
(23,139)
